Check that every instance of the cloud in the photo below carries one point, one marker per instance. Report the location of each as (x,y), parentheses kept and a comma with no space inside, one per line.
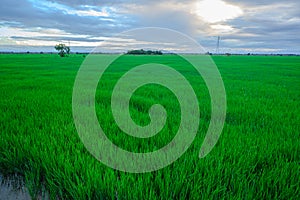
(271,26)
(33,15)
(248,24)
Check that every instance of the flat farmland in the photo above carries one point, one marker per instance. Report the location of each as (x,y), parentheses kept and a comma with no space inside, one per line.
(256,157)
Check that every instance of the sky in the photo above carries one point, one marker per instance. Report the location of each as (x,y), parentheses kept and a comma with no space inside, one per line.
(254,26)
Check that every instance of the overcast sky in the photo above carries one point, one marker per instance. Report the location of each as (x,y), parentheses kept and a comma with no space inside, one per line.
(271,26)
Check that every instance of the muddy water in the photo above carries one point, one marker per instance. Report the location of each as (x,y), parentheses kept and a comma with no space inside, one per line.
(13,188)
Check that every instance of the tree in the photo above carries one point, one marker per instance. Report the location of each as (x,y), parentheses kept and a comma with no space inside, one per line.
(62,49)
(143,52)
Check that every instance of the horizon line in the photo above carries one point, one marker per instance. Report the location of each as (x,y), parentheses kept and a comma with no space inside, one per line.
(191,53)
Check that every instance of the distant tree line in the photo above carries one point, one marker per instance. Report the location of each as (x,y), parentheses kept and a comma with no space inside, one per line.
(144,52)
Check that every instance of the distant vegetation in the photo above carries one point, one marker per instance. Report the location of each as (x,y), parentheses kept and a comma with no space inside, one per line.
(143,52)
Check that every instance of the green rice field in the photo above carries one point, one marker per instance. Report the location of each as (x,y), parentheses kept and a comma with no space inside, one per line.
(256,157)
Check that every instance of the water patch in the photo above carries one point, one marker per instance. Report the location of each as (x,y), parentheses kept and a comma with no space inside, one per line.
(13,188)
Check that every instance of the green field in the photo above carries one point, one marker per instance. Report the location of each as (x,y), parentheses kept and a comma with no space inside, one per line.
(256,157)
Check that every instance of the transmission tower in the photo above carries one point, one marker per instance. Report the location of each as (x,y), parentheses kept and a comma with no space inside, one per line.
(218,45)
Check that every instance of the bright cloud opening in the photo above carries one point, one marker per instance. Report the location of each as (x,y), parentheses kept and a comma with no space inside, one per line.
(213,11)
(92,13)
(222,28)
